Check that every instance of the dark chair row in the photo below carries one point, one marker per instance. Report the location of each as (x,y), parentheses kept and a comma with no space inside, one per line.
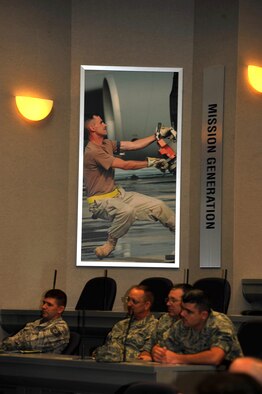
(99,293)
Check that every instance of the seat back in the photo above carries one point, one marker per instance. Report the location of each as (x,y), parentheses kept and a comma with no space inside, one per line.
(250,339)
(160,287)
(98,294)
(73,345)
(218,291)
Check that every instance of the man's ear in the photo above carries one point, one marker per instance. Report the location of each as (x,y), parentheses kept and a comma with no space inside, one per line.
(92,126)
(204,315)
(61,309)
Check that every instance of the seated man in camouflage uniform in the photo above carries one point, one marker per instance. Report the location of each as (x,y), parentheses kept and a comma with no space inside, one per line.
(127,339)
(166,320)
(48,334)
(201,336)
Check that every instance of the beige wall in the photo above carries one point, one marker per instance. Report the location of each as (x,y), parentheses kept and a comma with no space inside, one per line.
(43,45)
(35,59)
(215,43)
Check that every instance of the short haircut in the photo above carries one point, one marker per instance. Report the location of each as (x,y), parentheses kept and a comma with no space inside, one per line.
(59,295)
(148,293)
(199,298)
(183,286)
(87,121)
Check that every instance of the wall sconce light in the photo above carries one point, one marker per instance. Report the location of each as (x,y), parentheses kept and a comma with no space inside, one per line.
(34,108)
(255,77)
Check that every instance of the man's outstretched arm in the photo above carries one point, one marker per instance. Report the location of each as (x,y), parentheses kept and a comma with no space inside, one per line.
(160,164)
(213,356)
(137,144)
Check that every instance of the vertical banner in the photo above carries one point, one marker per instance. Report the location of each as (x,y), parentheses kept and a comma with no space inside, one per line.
(211,167)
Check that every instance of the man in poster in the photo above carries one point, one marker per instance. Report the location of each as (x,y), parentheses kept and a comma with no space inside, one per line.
(108,201)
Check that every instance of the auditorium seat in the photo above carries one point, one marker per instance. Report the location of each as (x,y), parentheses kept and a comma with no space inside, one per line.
(218,291)
(98,294)
(249,336)
(74,343)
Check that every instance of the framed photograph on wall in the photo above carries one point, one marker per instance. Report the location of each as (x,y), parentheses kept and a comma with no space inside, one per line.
(134,102)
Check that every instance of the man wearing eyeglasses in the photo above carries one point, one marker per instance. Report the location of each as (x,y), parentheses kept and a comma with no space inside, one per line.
(173,302)
(128,338)
(165,321)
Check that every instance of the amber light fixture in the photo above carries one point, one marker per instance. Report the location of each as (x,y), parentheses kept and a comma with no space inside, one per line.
(255,77)
(33,108)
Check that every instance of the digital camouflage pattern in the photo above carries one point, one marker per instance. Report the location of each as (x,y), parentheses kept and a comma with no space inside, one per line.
(165,322)
(218,332)
(138,336)
(48,337)
(161,331)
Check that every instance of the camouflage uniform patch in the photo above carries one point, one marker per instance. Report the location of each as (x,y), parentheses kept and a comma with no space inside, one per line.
(218,332)
(47,337)
(139,334)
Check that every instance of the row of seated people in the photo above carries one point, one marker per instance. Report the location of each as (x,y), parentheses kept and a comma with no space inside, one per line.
(51,333)
(189,333)
(206,337)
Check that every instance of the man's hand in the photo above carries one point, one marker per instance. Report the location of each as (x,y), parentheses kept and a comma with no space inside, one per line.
(160,164)
(145,356)
(165,132)
(162,355)
(158,353)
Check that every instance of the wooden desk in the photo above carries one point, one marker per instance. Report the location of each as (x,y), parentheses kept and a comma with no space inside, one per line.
(35,373)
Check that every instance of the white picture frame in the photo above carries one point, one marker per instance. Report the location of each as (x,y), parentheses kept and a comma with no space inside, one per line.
(132,101)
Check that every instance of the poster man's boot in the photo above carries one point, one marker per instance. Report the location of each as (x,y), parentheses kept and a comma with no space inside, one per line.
(107,248)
